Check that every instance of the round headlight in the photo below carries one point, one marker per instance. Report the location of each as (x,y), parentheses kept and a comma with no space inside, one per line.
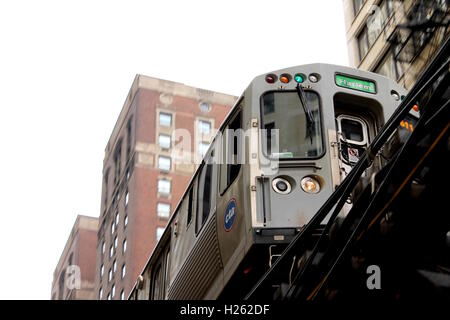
(310,185)
(281,186)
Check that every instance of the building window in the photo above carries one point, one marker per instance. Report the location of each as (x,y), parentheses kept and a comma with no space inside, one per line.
(205,107)
(129,138)
(363,43)
(388,67)
(127,197)
(61,280)
(164,163)
(113,290)
(109,275)
(165,119)
(159,233)
(114,266)
(122,295)
(105,181)
(164,186)
(113,227)
(117,218)
(204,127)
(111,251)
(374,26)
(124,246)
(124,271)
(115,242)
(164,141)
(100,294)
(125,220)
(163,210)
(357,4)
(203,148)
(101,271)
(117,164)
(108,297)
(103,247)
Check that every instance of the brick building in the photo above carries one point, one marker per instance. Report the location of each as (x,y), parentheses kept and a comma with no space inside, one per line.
(77,263)
(141,181)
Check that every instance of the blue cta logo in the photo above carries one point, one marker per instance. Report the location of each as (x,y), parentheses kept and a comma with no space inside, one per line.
(230,215)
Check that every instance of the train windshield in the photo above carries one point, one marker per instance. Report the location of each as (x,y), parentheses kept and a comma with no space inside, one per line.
(284,111)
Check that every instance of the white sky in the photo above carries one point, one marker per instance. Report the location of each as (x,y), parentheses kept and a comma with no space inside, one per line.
(65,71)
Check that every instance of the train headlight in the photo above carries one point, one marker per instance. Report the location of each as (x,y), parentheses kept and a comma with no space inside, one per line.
(310,185)
(281,186)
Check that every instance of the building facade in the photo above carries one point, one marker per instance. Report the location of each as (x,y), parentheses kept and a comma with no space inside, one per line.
(142,181)
(395,38)
(73,278)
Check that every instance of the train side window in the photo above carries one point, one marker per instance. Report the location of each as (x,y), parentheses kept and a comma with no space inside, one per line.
(157,280)
(189,213)
(167,271)
(232,142)
(205,196)
(160,276)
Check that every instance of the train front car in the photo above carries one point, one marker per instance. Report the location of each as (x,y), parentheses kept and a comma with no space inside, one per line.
(306,127)
(290,139)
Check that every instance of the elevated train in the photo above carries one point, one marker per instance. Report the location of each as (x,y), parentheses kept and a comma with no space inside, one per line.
(301,129)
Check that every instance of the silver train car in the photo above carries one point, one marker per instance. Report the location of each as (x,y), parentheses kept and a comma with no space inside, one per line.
(290,139)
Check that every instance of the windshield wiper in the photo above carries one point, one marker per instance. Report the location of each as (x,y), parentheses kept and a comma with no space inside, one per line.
(308,113)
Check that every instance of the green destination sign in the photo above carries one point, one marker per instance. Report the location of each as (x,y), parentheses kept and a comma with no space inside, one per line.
(355,84)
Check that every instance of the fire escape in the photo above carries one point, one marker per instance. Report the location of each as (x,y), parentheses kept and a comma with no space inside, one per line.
(419,24)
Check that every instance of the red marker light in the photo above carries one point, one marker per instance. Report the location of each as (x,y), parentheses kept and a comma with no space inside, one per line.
(416,108)
(271,78)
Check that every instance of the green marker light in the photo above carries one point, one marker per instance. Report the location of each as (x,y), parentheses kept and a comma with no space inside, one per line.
(299,78)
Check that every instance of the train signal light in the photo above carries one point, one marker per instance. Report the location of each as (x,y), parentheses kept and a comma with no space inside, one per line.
(285,78)
(271,78)
(299,78)
(314,77)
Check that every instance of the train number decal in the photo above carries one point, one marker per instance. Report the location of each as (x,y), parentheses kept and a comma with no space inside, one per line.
(230,215)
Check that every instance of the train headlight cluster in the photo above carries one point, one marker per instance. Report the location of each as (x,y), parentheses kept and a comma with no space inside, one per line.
(310,185)
(285,184)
